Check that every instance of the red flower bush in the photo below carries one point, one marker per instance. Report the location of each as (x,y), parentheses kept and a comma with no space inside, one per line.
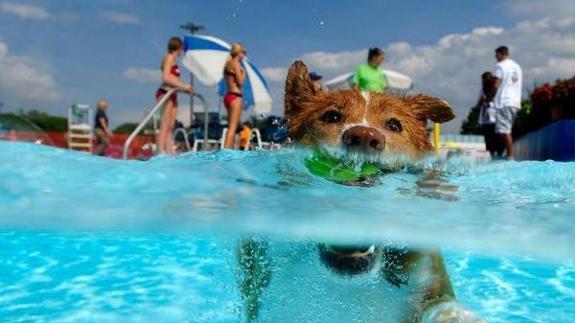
(558,93)
(549,103)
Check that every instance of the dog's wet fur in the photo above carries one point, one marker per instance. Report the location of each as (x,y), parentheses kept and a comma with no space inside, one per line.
(362,127)
(319,119)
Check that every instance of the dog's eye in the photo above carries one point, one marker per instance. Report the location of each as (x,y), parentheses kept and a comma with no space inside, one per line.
(331,116)
(394,125)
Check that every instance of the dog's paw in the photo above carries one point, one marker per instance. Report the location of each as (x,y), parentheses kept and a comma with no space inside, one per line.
(450,313)
(437,188)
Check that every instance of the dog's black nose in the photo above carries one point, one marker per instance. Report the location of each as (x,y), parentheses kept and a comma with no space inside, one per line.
(364,139)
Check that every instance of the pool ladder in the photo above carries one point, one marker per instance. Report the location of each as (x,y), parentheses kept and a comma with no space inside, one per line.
(155,109)
(259,144)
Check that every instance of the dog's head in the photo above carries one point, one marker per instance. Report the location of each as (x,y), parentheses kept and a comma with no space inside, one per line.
(352,123)
(358,127)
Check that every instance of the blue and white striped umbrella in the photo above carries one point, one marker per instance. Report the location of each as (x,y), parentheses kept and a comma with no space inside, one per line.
(205,57)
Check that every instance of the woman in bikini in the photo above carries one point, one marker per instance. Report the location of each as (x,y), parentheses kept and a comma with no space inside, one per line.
(235,76)
(170,80)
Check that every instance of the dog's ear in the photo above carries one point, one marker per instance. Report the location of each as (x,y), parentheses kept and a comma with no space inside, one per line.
(298,89)
(432,108)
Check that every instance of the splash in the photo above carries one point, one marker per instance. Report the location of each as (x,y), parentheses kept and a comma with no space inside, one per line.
(506,207)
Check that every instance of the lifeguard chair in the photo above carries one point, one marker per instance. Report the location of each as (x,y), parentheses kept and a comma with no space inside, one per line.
(80,127)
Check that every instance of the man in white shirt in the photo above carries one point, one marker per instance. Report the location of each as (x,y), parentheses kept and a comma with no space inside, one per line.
(509,79)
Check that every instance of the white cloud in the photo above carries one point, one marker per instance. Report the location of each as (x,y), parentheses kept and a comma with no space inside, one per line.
(538,8)
(23,80)
(274,74)
(142,75)
(451,67)
(341,61)
(3,50)
(121,18)
(24,11)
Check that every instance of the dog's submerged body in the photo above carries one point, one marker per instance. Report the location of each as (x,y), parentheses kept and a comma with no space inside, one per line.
(351,283)
(300,287)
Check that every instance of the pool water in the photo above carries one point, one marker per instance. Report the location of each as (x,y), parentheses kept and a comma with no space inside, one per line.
(91,239)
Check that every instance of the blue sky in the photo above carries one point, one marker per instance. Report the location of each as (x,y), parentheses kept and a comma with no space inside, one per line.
(79,50)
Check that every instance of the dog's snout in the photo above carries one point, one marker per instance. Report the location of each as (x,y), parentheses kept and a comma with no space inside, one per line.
(364,138)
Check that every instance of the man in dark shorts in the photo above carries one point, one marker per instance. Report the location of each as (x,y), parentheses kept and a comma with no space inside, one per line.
(101,128)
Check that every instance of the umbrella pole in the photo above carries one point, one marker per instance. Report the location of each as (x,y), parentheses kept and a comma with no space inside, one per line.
(192,100)
(206,124)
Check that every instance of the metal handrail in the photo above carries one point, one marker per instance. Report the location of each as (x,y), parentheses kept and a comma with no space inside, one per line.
(259,141)
(206,115)
(183,131)
(150,114)
(255,132)
(147,118)
(223,138)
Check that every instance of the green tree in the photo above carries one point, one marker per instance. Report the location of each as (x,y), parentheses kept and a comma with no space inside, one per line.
(46,121)
(526,120)
(129,127)
(470,126)
(34,120)
(11,121)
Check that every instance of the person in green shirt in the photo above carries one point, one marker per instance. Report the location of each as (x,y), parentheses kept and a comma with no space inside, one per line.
(368,77)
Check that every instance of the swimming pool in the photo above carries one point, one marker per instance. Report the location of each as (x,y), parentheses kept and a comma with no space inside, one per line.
(93,239)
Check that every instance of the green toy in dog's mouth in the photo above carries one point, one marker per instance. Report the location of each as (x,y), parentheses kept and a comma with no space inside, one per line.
(320,163)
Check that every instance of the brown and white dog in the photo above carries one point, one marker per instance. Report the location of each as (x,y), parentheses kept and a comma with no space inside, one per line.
(360,127)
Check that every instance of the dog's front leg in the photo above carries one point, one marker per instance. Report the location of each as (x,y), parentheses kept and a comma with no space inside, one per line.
(254,274)
(432,185)
(438,304)
(449,312)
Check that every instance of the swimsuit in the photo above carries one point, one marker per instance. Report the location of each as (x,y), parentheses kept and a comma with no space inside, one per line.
(231,96)
(175,70)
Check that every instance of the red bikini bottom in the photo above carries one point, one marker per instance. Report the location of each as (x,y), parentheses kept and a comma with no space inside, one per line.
(229,98)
